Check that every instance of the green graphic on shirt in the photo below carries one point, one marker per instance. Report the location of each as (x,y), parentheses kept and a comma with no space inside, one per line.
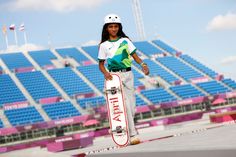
(121,59)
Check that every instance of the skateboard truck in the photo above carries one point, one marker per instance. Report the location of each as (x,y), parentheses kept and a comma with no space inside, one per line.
(113,90)
(118,130)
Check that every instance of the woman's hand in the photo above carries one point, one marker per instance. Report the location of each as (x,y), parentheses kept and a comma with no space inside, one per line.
(102,68)
(108,76)
(145,69)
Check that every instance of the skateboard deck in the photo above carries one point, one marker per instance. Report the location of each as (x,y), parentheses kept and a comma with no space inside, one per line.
(117,111)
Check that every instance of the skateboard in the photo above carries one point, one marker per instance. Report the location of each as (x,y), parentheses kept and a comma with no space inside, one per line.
(117,111)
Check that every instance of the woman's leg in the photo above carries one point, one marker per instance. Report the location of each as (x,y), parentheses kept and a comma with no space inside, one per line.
(130,101)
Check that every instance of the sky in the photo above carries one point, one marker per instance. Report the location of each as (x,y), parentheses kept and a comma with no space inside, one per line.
(203,29)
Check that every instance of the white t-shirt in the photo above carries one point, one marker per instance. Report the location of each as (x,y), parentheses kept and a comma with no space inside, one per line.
(117,53)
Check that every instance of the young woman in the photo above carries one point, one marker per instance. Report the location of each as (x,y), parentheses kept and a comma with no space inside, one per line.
(117,49)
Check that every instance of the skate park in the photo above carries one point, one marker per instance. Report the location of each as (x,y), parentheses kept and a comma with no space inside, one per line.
(52,101)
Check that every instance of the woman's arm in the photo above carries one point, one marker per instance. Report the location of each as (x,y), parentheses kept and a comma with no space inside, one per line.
(140,62)
(102,68)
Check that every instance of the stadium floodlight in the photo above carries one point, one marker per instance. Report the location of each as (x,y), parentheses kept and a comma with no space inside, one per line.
(138,19)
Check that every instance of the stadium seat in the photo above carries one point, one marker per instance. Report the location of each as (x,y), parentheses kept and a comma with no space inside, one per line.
(69,81)
(9,92)
(165,47)
(180,68)
(213,87)
(1,124)
(92,73)
(186,91)
(72,53)
(139,101)
(23,116)
(159,95)
(15,60)
(42,57)
(60,110)
(199,66)
(231,83)
(147,48)
(37,85)
(91,102)
(92,51)
(157,70)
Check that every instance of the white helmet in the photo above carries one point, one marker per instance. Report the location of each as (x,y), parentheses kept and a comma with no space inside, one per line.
(112,18)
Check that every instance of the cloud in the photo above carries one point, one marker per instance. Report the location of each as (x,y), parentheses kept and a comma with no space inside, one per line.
(228,60)
(90,43)
(51,5)
(26,47)
(222,22)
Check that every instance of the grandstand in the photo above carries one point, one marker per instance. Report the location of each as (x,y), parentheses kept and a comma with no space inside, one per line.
(147,48)
(92,73)
(199,66)
(180,68)
(23,116)
(83,87)
(60,110)
(213,87)
(139,101)
(16,61)
(10,93)
(167,48)
(1,124)
(91,50)
(157,70)
(71,83)
(1,70)
(72,53)
(43,57)
(231,83)
(158,96)
(37,85)
(186,91)
(92,102)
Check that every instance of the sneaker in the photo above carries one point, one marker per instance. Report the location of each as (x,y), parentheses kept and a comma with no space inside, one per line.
(134,140)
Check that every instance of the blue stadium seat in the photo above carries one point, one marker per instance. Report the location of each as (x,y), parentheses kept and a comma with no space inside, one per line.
(92,102)
(147,48)
(1,124)
(213,87)
(15,60)
(37,85)
(99,101)
(42,57)
(199,66)
(186,91)
(23,116)
(159,95)
(92,51)
(72,53)
(139,101)
(69,81)
(1,70)
(92,73)
(9,92)
(60,110)
(165,47)
(231,83)
(179,68)
(156,70)
(137,76)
